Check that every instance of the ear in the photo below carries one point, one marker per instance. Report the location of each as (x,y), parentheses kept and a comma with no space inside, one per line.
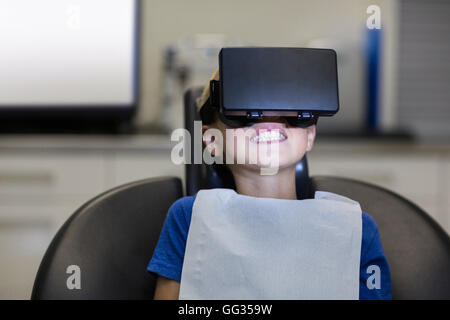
(208,140)
(311,135)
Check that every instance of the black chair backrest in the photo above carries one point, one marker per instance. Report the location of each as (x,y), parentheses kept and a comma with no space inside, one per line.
(111,239)
(202,176)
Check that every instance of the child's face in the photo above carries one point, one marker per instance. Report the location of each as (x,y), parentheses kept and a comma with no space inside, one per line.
(272,142)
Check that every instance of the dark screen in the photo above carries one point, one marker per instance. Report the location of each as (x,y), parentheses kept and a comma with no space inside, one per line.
(279,79)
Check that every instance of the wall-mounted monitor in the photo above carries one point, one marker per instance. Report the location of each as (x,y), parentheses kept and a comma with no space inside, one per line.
(68,58)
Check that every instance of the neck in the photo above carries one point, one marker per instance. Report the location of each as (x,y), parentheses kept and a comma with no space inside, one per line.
(251,183)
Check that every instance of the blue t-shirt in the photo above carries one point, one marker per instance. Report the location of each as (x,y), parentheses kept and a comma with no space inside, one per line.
(167,260)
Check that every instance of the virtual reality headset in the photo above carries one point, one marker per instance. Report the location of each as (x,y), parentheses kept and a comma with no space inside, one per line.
(299,84)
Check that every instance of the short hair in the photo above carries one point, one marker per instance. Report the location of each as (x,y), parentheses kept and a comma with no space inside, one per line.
(205,94)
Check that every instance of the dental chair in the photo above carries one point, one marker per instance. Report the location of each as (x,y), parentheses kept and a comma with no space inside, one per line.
(111,238)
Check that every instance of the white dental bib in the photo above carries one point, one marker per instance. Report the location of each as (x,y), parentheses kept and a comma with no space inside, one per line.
(242,247)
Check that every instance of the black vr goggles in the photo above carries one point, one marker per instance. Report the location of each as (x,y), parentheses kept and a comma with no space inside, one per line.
(299,84)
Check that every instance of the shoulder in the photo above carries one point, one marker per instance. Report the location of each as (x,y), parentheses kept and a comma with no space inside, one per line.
(373,258)
(370,236)
(181,209)
(369,227)
(184,203)
(368,224)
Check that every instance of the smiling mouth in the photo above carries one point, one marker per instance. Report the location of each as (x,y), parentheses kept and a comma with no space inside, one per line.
(268,136)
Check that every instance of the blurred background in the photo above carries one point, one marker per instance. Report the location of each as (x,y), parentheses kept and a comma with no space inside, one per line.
(90,91)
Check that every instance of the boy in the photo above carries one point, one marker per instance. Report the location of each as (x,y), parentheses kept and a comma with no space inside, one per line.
(293,143)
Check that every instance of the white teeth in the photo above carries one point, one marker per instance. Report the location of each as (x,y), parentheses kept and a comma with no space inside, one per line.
(268,136)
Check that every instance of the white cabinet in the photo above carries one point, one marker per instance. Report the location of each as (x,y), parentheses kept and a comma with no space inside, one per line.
(21,248)
(50,174)
(25,233)
(410,175)
(417,177)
